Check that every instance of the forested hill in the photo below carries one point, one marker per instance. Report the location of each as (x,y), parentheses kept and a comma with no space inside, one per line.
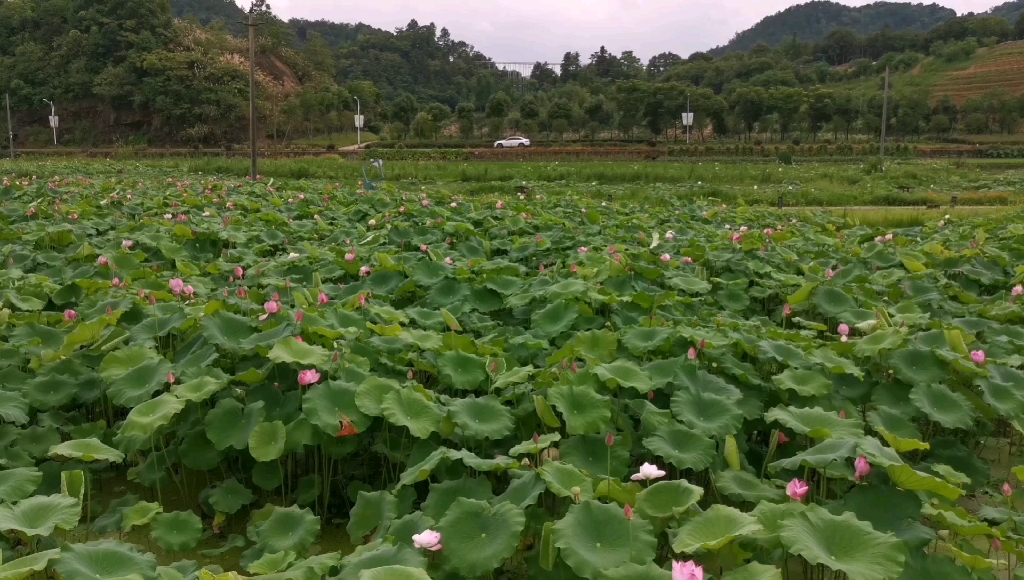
(814,20)
(1008,10)
(209,11)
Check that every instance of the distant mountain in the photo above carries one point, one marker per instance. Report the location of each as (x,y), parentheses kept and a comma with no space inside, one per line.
(814,20)
(1009,10)
(336,34)
(209,11)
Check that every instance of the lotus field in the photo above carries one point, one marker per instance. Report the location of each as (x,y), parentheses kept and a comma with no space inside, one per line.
(210,378)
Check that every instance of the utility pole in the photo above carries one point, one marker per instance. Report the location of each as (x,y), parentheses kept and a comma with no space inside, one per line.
(53,119)
(252,93)
(687,118)
(885,115)
(359,124)
(10,126)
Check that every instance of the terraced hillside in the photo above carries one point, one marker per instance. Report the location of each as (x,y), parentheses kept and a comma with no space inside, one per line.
(997,68)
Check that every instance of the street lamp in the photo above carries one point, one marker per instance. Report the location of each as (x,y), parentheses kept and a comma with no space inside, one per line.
(359,123)
(54,121)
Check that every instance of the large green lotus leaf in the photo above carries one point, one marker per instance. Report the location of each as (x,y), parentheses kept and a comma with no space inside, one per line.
(18,484)
(410,409)
(816,422)
(443,495)
(708,413)
(931,566)
(50,391)
(230,496)
(562,478)
(133,374)
(289,350)
(640,340)
(13,408)
(288,529)
(266,441)
(373,512)
(834,363)
(591,455)
(37,441)
(689,284)
(462,370)
(806,383)
(535,446)
(906,477)
(585,412)
(378,555)
(782,352)
(599,345)
(917,366)
(940,404)
(40,515)
(479,537)
(87,450)
(199,389)
(899,432)
(649,571)
(145,419)
(556,318)
(371,393)
(876,453)
(754,571)
(27,566)
(481,418)
(879,341)
(1003,390)
(624,373)
(821,456)
(595,537)
(745,486)
(327,405)
(681,447)
(271,563)
(833,302)
(139,514)
(198,453)
(523,491)
(226,330)
(176,531)
(104,560)
(843,543)
(394,573)
(667,499)
(713,529)
(886,508)
(229,423)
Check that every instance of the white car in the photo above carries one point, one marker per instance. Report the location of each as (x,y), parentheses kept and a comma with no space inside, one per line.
(512,142)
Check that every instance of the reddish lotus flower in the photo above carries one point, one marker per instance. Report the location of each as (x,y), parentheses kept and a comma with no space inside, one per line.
(978,356)
(797,490)
(152,299)
(996,544)
(542,267)
(309,377)
(350,256)
(424,248)
(737,238)
(241,293)
(1007,489)
(787,310)
(364,271)
(115,282)
(102,261)
(575,368)
(862,467)
(188,291)
(425,203)
(501,205)
(345,428)
(1017,290)
(782,439)
(411,374)
(239,272)
(299,339)
(687,570)
(322,299)
(428,540)
(70,315)
(127,244)
(666,258)
(650,396)
(687,260)
(574,269)
(449,261)
(842,414)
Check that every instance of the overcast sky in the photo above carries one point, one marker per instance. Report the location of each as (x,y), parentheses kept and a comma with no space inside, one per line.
(531,30)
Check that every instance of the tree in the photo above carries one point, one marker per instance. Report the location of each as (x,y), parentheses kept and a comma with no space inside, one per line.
(529,109)
(403,109)
(466,114)
(571,67)
(821,108)
(750,104)
(544,74)
(786,104)
(319,56)
(939,125)
(423,126)
(438,112)
(1018,28)
(498,106)
(660,63)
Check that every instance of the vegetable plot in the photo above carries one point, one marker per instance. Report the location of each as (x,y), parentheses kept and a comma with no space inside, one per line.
(500,387)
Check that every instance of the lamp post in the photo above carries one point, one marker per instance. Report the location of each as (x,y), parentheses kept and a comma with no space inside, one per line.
(53,119)
(359,123)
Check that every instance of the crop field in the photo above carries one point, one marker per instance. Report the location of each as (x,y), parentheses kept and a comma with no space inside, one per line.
(999,67)
(508,372)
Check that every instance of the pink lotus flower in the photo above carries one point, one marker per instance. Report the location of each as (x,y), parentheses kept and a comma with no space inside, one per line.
(888,237)
(978,356)
(425,203)
(115,282)
(797,490)
(177,285)
(782,438)
(299,339)
(428,540)
(611,249)
(737,238)
(787,310)
(830,273)
(272,307)
(350,257)
(862,467)
(996,544)
(171,378)
(744,229)
(500,205)
(687,260)
(364,271)
(188,291)
(102,261)
(401,209)
(691,354)
(844,332)
(309,377)
(687,571)
(449,261)
(648,472)
(70,315)
(322,299)
(575,368)
(239,272)
(1017,290)
(628,512)
(670,235)
(768,232)
(127,244)
(666,258)
(1007,489)
(583,250)
(424,248)
(574,269)
(880,240)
